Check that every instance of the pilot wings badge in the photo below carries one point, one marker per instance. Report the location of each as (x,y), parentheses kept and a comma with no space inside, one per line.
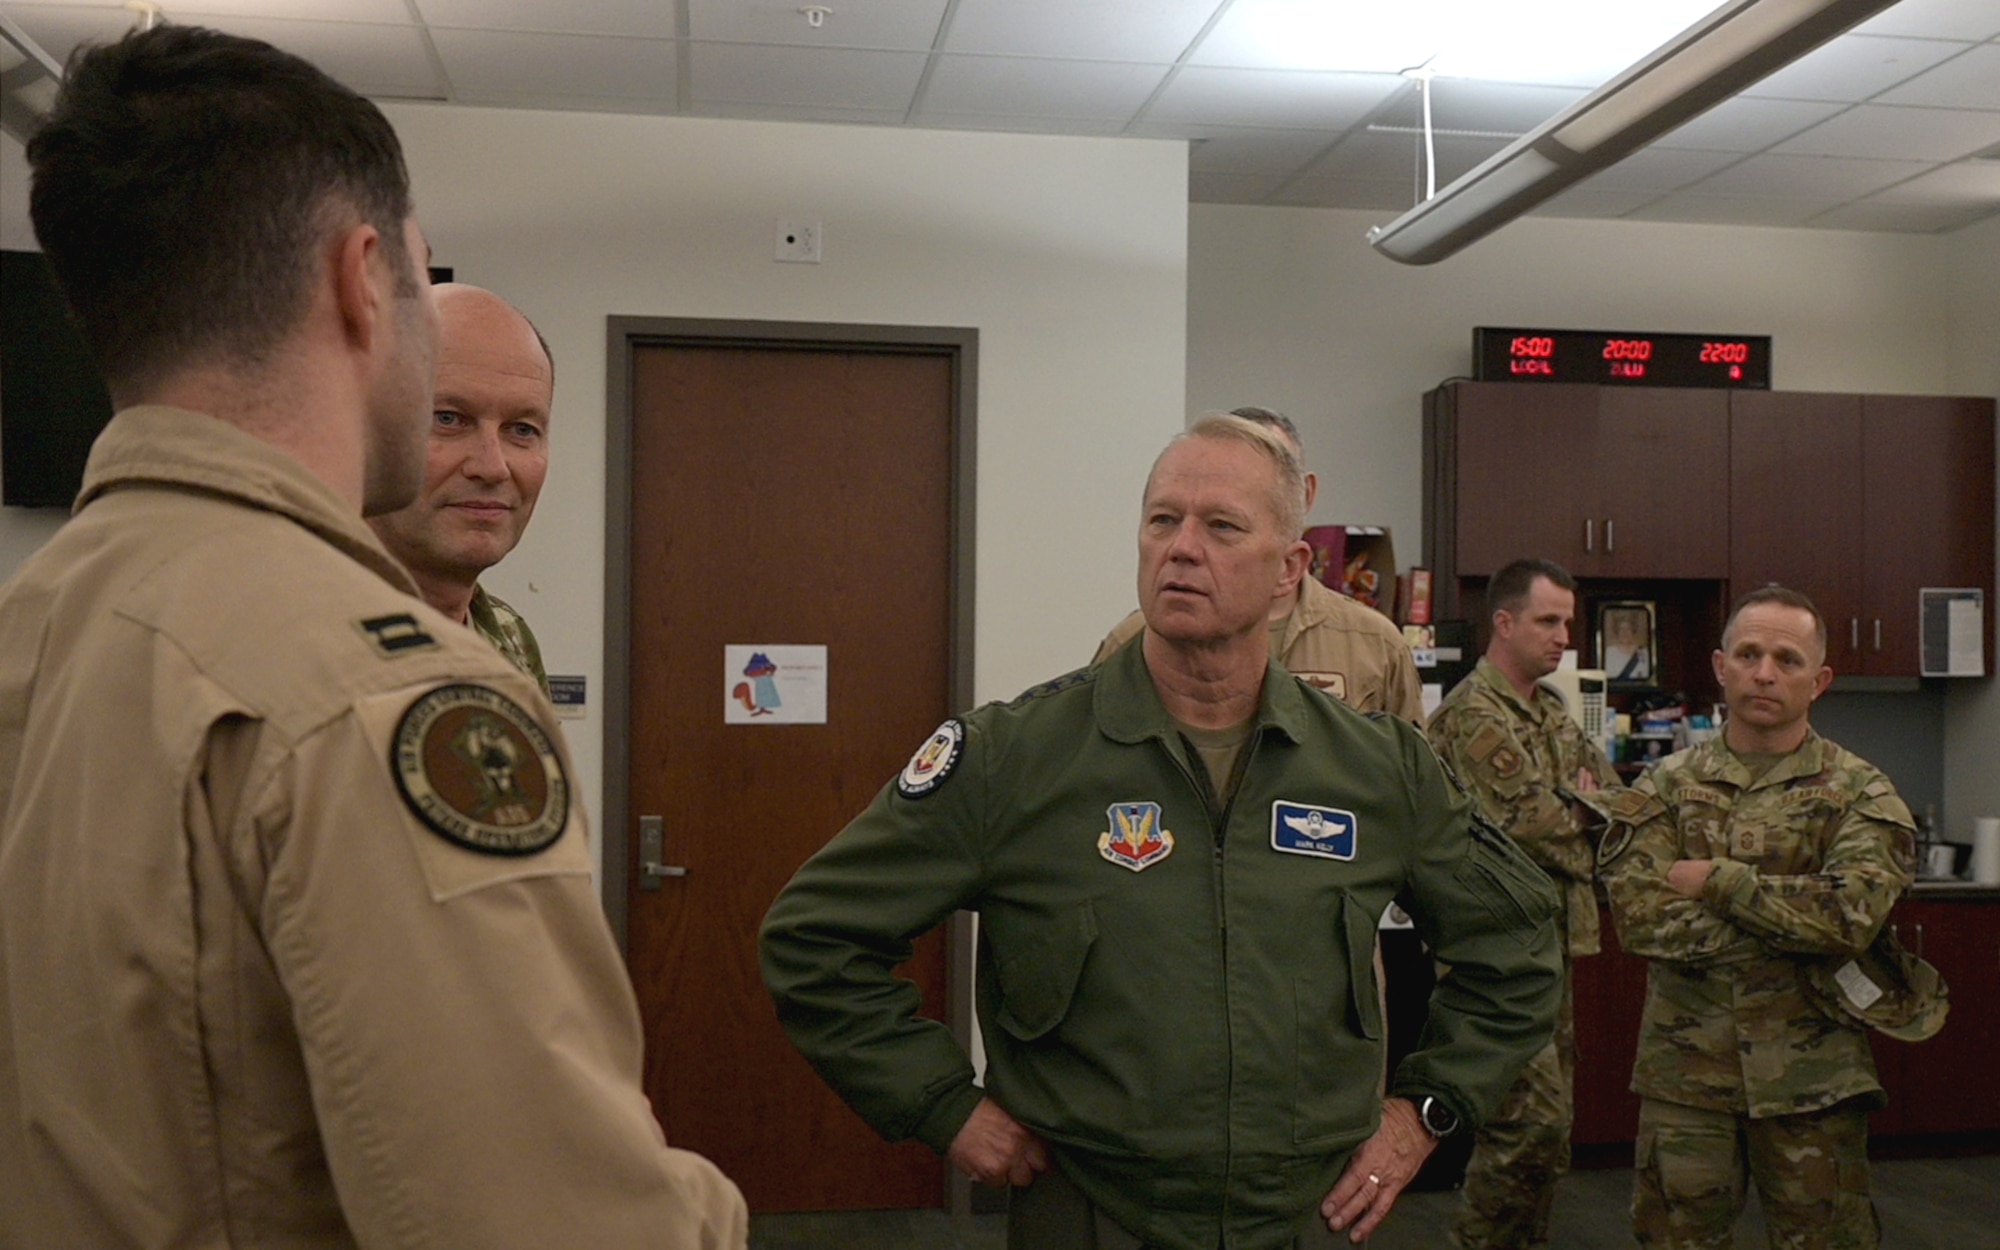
(1135,840)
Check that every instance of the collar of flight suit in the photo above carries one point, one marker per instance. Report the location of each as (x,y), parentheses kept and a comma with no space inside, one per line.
(154,445)
(1808,759)
(1127,705)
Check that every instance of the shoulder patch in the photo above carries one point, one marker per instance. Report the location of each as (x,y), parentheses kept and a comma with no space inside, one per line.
(1484,743)
(1616,839)
(934,761)
(480,772)
(395,634)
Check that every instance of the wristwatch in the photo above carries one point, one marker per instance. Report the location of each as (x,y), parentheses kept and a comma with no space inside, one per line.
(1438,1120)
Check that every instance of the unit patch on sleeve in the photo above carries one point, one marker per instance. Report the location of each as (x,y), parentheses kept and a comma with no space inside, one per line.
(933,761)
(480,772)
(1136,838)
(1324,832)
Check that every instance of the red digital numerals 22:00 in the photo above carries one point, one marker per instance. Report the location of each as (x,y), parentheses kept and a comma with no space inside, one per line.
(1725,353)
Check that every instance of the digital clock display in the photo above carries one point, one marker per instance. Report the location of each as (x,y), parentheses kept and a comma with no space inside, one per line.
(1616,358)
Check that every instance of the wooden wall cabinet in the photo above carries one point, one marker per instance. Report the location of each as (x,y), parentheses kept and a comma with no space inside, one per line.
(1949,1083)
(1609,482)
(1857,500)
(1862,500)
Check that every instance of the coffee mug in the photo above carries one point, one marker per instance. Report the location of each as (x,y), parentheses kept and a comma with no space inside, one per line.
(1941,858)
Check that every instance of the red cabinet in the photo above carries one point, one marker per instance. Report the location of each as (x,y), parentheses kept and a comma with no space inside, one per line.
(1949,1083)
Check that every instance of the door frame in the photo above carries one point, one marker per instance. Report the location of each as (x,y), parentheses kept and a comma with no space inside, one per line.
(624,336)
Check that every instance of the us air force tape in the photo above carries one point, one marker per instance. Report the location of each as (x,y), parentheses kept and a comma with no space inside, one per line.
(480,772)
(933,761)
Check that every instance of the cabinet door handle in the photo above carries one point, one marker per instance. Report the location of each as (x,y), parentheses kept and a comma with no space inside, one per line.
(1878,633)
(1610,535)
(1920,941)
(1854,632)
(1590,534)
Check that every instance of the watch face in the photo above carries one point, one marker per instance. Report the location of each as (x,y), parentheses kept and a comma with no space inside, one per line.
(1438,1118)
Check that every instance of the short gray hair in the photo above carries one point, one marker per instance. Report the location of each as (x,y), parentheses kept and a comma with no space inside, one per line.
(1288,500)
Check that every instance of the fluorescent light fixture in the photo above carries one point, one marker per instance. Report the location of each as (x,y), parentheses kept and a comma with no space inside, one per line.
(1718,56)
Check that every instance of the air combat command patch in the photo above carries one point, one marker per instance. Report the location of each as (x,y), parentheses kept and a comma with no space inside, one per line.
(1135,840)
(933,761)
(480,772)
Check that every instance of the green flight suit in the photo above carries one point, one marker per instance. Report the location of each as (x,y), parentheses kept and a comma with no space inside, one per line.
(1187,1013)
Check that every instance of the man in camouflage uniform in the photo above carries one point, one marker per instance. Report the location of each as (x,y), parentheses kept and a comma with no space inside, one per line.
(1752,871)
(1514,747)
(488,456)
(1331,640)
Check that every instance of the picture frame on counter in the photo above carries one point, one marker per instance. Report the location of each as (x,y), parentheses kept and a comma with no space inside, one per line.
(1627,632)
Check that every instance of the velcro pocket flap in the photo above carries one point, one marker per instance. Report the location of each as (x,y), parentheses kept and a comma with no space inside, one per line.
(1036,983)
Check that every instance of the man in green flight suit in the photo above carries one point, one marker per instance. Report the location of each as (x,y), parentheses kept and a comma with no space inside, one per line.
(1755,872)
(487,458)
(1178,859)
(1522,758)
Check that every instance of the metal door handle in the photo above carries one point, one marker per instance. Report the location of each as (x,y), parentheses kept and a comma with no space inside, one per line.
(1878,633)
(1854,631)
(1610,536)
(1590,534)
(652,839)
(1920,941)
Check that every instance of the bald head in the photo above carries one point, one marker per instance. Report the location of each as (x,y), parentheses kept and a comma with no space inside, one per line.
(489,448)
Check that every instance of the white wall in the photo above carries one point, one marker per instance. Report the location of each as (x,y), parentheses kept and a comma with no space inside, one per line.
(1067,254)
(1291,308)
(1972,709)
(22,530)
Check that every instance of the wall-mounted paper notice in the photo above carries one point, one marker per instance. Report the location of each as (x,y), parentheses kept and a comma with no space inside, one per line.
(773,685)
(1953,622)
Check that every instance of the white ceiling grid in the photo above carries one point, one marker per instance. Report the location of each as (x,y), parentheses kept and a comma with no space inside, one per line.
(1881,129)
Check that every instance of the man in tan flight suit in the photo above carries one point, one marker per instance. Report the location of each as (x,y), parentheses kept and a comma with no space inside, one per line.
(1521,758)
(1347,649)
(298,945)
(487,458)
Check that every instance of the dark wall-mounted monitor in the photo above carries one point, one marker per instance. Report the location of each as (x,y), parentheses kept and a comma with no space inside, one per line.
(52,399)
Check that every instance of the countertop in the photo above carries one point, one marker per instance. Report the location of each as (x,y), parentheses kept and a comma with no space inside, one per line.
(1931,890)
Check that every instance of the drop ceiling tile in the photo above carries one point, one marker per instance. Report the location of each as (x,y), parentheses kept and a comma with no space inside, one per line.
(1937,19)
(1589,200)
(895,25)
(58,29)
(1656,170)
(208,12)
(1299,101)
(569,17)
(1281,34)
(1730,210)
(1373,155)
(1971,81)
(1875,214)
(1231,188)
(512,67)
(1743,125)
(1235,150)
(1968,183)
(1893,131)
(1018,86)
(374,60)
(1012,123)
(840,78)
(1853,68)
(1465,104)
(1391,199)
(1826,178)
(1154,31)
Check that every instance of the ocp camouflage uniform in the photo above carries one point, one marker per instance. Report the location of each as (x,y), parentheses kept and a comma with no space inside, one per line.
(493,619)
(1518,759)
(1736,1065)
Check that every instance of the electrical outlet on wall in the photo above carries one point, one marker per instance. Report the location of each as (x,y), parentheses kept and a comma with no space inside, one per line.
(798,242)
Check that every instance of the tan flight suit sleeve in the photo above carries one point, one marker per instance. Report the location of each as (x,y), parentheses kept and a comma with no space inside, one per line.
(472,1043)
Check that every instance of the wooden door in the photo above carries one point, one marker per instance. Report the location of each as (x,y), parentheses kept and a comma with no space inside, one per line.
(1927,495)
(792,497)
(1526,473)
(1662,458)
(1795,506)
